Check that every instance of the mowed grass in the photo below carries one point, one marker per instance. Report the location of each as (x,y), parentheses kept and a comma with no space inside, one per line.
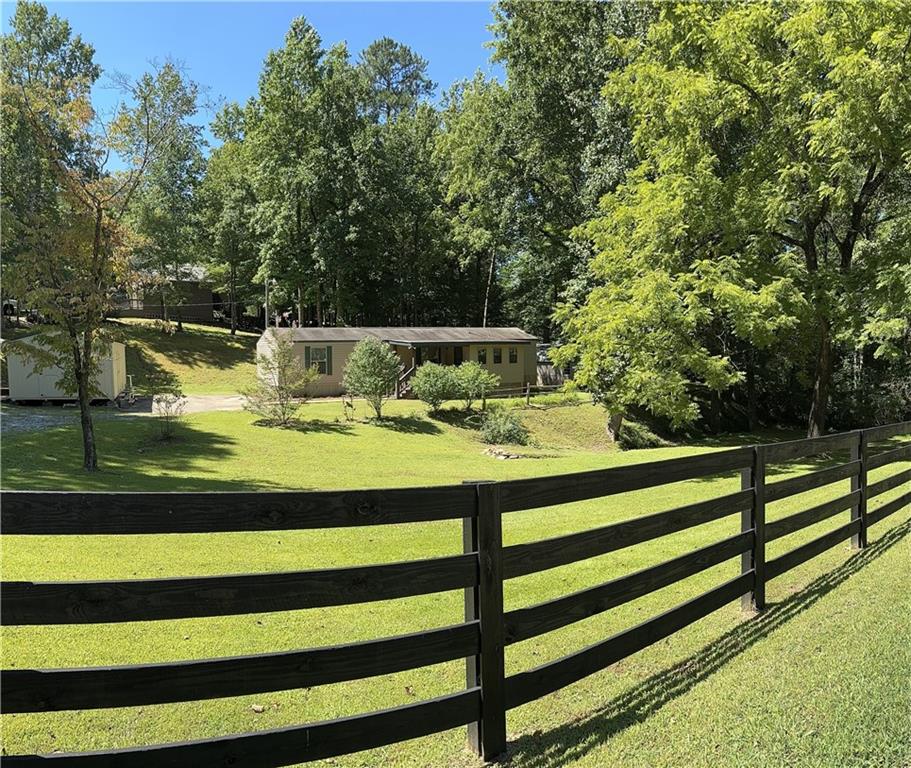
(200,360)
(819,679)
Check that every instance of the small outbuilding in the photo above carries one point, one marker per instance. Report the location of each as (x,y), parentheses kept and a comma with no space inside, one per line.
(507,352)
(28,383)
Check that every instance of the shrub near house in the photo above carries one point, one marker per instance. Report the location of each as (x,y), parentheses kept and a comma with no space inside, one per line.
(434,384)
(372,371)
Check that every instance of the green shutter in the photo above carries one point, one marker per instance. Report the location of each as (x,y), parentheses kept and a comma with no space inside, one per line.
(329,360)
(306,357)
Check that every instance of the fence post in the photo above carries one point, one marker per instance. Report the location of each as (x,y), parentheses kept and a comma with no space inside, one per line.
(484,534)
(754,519)
(859,483)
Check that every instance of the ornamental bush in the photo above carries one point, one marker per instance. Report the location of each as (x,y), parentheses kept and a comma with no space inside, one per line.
(434,384)
(371,372)
(503,426)
(475,382)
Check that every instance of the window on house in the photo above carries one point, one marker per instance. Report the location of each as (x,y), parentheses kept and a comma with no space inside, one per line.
(320,358)
(497,355)
(513,355)
(482,355)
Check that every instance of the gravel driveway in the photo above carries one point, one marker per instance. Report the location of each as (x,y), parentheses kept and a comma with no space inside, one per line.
(31,418)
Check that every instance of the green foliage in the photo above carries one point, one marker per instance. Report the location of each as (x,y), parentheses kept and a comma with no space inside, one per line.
(283,382)
(565,145)
(225,211)
(371,372)
(636,435)
(72,243)
(503,425)
(475,382)
(434,384)
(772,176)
(396,77)
(163,217)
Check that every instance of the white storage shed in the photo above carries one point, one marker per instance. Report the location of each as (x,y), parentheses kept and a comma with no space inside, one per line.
(25,383)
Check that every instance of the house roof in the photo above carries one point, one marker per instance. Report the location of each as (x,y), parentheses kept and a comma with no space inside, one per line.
(442,335)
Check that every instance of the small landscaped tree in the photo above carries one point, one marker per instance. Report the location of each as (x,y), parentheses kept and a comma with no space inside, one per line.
(434,384)
(371,372)
(475,383)
(283,382)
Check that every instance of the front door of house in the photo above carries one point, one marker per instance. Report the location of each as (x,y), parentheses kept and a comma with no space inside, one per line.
(456,355)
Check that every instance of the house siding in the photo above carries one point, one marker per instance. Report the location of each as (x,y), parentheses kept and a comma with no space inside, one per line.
(516,374)
(523,371)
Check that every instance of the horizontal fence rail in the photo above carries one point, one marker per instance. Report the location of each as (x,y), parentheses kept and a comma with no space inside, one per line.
(522,559)
(524,623)
(787,525)
(878,515)
(563,489)
(782,489)
(283,746)
(31,690)
(481,569)
(66,512)
(527,686)
(86,602)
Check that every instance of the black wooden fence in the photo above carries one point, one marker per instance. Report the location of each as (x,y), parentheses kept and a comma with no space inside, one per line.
(480,571)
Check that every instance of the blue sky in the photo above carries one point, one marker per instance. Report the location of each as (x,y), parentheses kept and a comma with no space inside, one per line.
(223,44)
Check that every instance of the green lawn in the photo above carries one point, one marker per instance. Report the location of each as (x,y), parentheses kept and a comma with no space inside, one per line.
(820,679)
(201,360)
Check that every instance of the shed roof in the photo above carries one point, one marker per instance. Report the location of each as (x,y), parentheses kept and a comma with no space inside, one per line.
(442,335)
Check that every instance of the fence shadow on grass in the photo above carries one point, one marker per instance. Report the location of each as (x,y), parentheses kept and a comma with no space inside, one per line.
(568,743)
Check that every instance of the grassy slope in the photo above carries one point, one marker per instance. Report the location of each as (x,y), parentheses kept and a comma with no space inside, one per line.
(820,679)
(201,360)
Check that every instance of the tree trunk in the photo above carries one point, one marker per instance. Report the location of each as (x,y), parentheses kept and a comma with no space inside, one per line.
(82,370)
(820,402)
(614,423)
(752,405)
(233,298)
(715,412)
(493,260)
(179,297)
(89,455)
(82,365)
(300,305)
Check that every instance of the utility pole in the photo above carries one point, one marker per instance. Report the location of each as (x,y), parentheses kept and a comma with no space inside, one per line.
(266,313)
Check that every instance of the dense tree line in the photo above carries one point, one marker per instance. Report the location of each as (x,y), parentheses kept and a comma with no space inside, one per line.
(757,252)
(706,207)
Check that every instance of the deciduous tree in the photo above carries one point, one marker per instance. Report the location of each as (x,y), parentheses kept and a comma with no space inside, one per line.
(73,242)
(773,144)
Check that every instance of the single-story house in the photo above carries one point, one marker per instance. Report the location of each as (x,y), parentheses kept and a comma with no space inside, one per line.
(196,304)
(507,352)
